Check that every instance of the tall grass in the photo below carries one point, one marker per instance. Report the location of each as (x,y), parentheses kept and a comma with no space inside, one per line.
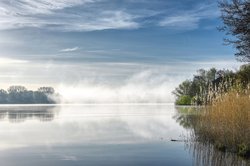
(226,122)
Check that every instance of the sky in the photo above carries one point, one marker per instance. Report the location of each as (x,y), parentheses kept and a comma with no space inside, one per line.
(112,47)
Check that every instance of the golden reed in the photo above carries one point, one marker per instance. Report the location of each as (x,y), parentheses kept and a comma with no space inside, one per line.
(226,122)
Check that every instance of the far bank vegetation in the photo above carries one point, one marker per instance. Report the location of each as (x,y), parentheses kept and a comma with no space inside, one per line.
(21,95)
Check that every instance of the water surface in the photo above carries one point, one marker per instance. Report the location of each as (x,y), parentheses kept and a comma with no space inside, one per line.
(92,135)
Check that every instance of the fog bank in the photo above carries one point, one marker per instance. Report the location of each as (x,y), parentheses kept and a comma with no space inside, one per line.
(144,87)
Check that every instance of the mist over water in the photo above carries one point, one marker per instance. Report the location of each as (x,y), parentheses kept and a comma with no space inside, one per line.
(143,87)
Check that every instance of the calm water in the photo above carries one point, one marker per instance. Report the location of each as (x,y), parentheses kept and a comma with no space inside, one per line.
(92,135)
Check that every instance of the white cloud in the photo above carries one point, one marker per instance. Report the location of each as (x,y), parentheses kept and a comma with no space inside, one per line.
(91,15)
(101,21)
(62,15)
(29,7)
(188,20)
(180,22)
(70,49)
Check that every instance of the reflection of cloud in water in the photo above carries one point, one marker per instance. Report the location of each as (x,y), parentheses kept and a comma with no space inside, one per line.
(95,124)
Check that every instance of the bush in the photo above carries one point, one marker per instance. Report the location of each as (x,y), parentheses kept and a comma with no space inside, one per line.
(184,100)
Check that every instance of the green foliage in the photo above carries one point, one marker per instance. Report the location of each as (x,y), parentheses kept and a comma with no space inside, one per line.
(184,100)
(243,150)
(243,75)
(207,85)
(196,88)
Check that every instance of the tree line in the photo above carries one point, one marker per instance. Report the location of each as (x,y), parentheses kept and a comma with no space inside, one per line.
(206,85)
(21,95)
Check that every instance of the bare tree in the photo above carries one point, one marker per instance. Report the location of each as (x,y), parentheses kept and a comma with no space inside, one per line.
(235,15)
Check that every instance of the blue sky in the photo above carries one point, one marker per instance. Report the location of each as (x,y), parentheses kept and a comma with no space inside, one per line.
(54,42)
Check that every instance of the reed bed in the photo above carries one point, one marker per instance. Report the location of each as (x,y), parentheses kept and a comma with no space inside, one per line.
(226,123)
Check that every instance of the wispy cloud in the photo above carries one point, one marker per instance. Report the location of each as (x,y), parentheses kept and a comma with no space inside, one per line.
(188,20)
(25,7)
(92,15)
(181,22)
(64,15)
(69,49)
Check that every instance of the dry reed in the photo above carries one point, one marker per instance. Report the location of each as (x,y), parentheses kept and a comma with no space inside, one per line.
(226,123)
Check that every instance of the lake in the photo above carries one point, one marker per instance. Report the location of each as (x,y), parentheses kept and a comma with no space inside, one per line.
(96,135)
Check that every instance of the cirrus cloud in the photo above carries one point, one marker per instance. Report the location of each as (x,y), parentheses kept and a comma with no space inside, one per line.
(93,15)
(63,15)
(190,19)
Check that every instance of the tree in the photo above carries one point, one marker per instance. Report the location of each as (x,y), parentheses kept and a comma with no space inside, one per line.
(183,89)
(16,89)
(184,100)
(44,94)
(3,96)
(21,95)
(243,75)
(16,94)
(211,74)
(236,18)
(196,91)
(46,90)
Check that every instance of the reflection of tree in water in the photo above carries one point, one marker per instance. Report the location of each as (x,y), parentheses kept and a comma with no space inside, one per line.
(21,114)
(204,154)
(3,115)
(186,117)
